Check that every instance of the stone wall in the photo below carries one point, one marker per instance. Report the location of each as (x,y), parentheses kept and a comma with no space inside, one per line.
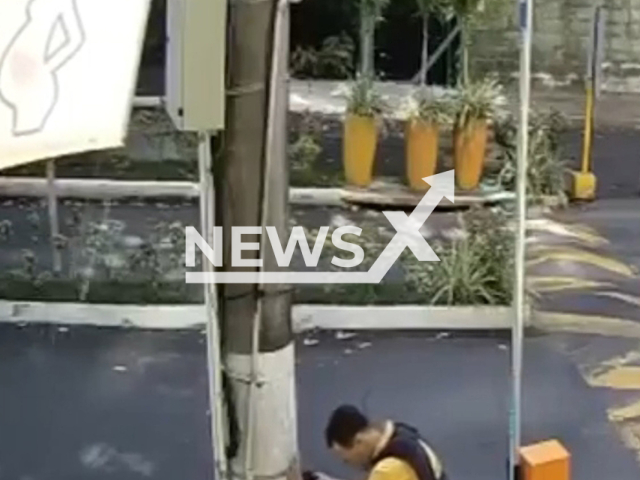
(561,41)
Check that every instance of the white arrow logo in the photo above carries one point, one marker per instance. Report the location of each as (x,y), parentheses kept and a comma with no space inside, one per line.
(408,236)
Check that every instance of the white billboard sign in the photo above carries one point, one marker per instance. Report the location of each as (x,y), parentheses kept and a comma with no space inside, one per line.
(68,70)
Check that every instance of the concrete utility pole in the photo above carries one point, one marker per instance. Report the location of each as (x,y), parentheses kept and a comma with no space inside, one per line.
(251,190)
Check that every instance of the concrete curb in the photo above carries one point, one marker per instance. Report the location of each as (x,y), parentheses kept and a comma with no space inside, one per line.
(102,189)
(305,317)
(403,317)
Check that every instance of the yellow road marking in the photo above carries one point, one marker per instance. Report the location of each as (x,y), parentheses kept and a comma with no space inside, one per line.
(631,356)
(586,324)
(623,414)
(625,297)
(579,232)
(580,256)
(619,378)
(541,284)
(631,437)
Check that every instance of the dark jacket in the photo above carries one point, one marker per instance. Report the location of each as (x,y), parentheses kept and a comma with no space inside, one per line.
(407,445)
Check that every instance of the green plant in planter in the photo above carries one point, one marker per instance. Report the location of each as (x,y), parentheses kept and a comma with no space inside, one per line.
(365,107)
(477,101)
(425,114)
(425,105)
(363,99)
(475,104)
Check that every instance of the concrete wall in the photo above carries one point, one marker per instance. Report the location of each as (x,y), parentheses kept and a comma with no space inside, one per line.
(561,40)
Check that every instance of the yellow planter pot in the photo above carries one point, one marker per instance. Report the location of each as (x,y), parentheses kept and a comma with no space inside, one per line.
(421,143)
(359,149)
(470,147)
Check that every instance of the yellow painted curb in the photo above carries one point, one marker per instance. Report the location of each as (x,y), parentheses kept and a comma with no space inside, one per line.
(625,297)
(586,324)
(542,284)
(620,378)
(631,437)
(557,254)
(579,232)
(623,414)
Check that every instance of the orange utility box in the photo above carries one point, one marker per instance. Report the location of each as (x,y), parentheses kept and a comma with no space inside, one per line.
(545,461)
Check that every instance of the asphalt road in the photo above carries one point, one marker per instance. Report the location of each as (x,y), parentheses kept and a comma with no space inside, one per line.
(98,404)
(616,160)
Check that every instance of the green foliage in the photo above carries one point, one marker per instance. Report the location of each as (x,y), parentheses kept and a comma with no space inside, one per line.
(97,250)
(432,7)
(161,255)
(303,154)
(465,9)
(333,60)
(373,8)
(546,169)
(477,101)
(475,13)
(105,270)
(427,106)
(6,230)
(474,269)
(30,271)
(364,100)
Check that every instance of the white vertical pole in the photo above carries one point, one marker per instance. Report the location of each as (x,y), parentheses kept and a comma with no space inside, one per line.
(526,17)
(54,225)
(214,357)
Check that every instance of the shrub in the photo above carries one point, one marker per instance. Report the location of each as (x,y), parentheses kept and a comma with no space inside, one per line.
(333,60)
(475,268)
(546,169)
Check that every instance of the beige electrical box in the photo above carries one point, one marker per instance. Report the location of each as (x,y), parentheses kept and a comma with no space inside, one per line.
(195,77)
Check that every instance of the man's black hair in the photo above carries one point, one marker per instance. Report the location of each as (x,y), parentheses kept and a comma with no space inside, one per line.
(344,424)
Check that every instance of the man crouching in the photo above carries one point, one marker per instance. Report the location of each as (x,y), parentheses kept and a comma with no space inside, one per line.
(387,450)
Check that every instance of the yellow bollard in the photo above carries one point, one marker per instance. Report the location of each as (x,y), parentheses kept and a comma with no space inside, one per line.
(584,182)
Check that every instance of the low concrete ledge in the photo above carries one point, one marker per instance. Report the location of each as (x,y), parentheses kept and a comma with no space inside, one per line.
(96,189)
(155,317)
(103,189)
(402,317)
(305,317)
